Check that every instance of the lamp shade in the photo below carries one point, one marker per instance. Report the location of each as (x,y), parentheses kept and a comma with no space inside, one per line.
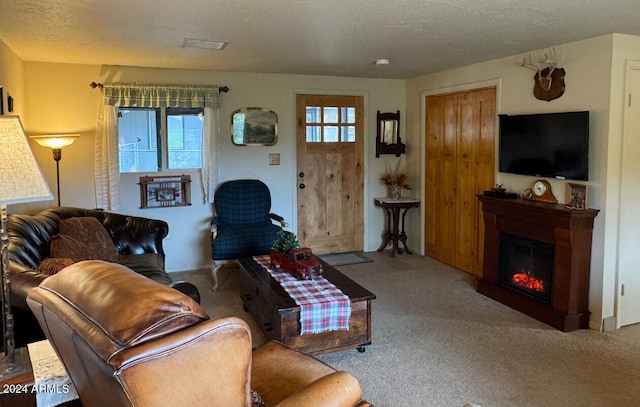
(21,179)
(56,140)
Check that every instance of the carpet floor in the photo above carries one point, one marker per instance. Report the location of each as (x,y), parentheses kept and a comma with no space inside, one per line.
(437,342)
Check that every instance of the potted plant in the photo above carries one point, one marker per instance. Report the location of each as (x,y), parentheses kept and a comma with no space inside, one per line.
(396,181)
(287,255)
(285,242)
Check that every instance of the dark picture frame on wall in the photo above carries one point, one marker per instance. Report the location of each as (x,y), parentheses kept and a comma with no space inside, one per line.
(165,191)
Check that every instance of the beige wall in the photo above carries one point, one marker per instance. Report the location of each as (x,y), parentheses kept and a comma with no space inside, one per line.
(59,99)
(12,78)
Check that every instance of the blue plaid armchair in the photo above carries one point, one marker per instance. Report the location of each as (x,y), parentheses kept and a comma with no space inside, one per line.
(242,225)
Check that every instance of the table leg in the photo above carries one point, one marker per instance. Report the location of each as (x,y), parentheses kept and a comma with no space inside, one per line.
(387,233)
(395,233)
(403,235)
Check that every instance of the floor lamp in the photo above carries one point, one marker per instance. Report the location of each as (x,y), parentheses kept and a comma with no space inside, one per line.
(20,181)
(56,142)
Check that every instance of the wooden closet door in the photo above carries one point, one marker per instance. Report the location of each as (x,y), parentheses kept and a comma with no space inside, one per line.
(440,199)
(466,200)
(460,163)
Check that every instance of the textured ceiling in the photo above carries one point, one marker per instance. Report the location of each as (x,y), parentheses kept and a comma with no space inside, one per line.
(321,37)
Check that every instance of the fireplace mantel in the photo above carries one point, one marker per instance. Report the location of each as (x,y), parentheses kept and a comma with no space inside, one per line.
(569,231)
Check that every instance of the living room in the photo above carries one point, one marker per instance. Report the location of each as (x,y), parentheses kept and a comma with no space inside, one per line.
(55,97)
(38,88)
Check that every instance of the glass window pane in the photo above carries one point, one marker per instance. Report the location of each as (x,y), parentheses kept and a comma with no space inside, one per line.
(331,115)
(348,134)
(313,134)
(184,133)
(313,114)
(137,140)
(348,115)
(331,134)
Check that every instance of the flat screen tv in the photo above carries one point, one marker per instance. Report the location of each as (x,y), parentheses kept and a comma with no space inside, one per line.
(552,145)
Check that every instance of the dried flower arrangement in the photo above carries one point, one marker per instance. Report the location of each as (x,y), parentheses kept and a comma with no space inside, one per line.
(395,178)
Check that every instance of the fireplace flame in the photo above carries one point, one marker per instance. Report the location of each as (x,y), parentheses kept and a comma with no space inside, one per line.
(527,280)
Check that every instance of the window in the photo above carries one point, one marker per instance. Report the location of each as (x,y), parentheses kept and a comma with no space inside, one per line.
(157,139)
(331,124)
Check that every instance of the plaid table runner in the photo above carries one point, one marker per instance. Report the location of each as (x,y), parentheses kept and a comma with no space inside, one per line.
(323,307)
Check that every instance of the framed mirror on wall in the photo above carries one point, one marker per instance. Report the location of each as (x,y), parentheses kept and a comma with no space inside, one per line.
(254,126)
(388,139)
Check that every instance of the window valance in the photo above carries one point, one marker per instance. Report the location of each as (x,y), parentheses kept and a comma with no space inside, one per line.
(161,95)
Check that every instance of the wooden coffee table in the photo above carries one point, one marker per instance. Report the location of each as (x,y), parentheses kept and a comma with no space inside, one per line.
(278,315)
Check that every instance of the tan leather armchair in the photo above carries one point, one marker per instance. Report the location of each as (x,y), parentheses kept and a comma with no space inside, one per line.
(126,340)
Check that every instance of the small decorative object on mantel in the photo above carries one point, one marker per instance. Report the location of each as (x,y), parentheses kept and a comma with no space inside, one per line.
(165,191)
(577,196)
(287,255)
(396,181)
(540,191)
(500,192)
(549,80)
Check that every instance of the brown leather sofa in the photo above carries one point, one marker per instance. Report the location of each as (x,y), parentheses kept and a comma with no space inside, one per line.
(126,340)
(29,244)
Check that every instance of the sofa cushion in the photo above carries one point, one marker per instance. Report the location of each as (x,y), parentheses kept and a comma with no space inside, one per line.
(92,234)
(51,266)
(148,264)
(64,246)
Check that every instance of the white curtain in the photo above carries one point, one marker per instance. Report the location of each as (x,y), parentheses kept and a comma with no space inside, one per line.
(107,167)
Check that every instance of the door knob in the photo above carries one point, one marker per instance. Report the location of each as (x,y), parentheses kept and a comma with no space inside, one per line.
(301,174)
(302,185)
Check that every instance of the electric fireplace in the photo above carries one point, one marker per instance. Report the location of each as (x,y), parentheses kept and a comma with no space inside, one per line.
(537,259)
(526,266)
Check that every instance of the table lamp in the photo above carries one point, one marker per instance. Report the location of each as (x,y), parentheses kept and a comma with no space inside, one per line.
(56,142)
(21,181)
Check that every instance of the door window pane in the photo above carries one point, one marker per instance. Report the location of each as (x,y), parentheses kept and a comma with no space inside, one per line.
(313,114)
(331,134)
(348,134)
(348,114)
(314,134)
(331,115)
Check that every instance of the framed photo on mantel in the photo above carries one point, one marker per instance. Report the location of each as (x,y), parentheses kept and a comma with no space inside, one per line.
(577,196)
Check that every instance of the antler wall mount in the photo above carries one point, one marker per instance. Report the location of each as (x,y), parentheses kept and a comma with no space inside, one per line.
(549,79)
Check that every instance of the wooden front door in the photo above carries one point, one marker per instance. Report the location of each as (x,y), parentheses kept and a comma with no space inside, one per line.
(330,149)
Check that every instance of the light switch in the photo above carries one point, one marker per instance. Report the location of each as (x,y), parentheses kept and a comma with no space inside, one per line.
(274,159)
